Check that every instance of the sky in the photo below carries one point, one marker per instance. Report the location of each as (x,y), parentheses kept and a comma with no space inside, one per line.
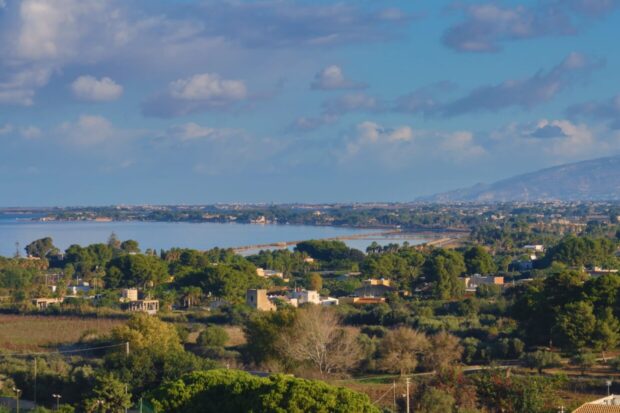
(192,102)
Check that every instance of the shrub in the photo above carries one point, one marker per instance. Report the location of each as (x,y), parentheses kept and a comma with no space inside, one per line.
(213,336)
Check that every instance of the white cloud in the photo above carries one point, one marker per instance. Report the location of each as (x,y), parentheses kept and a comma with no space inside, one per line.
(19,87)
(92,89)
(462,146)
(208,87)
(332,78)
(201,92)
(192,131)
(371,132)
(560,140)
(88,130)
(55,29)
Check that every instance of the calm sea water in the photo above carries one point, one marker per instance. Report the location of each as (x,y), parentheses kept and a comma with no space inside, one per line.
(158,235)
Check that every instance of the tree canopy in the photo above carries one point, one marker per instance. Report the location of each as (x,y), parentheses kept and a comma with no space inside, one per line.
(223,391)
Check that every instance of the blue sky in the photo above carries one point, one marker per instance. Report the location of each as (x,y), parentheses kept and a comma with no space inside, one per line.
(106,101)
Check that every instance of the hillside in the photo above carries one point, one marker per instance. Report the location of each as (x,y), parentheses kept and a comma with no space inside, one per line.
(596,179)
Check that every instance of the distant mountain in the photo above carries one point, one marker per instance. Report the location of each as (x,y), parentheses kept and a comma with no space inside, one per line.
(596,180)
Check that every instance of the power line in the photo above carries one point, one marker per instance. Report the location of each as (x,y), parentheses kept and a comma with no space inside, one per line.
(82,350)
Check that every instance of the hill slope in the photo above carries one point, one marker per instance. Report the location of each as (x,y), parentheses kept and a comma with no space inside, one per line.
(596,179)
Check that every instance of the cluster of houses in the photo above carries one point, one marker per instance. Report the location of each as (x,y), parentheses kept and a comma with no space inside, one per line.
(130,301)
(260,300)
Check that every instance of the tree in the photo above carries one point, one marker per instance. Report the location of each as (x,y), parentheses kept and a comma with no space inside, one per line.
(584,360)
(108,396)
(113,242)
(479,261)
(443,353)
(314,281)
(262,331)
(576,325)
(136,270)
(42,248)
(191,295)
(582,251)
(401,349)
(130,246)
(145,332)
(224,281)
(155,354)
(436,401)
(229,391)
(541,359)
(213,336)
(443,269)
(318,339)
(607,331)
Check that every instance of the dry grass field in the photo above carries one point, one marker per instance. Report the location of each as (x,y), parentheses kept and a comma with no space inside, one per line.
(40,333)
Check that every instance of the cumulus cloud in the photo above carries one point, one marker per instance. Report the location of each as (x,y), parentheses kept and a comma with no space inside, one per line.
(332,78)
(461,145)
(527,92)
(397,147)
(88,130)
(560,139)
(89,88)
(487,26)
(40,37)
(201,92)
(371,132)
(548,130)
(192,131)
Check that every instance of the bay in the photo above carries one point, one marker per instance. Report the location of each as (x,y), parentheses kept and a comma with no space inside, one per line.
(164,235)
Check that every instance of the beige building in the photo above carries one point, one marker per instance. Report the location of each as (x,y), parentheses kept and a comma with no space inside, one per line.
(146,306)
(129,294)
(472,283)
(374,288)
(257,298)
(43,303)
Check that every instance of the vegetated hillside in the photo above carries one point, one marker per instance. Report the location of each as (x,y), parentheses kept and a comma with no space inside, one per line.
(596,179)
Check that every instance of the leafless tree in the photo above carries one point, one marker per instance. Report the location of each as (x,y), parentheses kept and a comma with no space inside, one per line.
(444,352)
(318,338)
(401,349)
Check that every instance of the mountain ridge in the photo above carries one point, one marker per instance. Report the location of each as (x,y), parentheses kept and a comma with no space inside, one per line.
(593,179)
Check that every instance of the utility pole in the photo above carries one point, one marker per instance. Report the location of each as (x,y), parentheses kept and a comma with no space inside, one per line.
(407,383)
(17,394)
(127,348)
(394,390)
